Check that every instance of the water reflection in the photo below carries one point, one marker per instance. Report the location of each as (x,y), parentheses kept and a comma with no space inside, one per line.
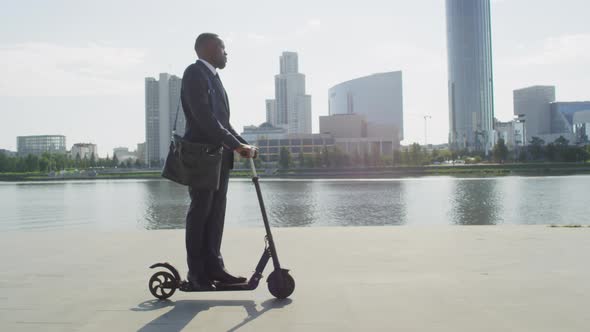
(292,204)
(166,205)
(336,203)
(160,204)
(475,202)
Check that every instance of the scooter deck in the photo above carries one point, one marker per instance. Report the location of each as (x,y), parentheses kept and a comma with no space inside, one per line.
(223,287)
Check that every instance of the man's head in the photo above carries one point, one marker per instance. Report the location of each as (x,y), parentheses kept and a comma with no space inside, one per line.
(211,48)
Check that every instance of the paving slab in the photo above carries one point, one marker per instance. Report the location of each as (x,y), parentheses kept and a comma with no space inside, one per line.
(447,278)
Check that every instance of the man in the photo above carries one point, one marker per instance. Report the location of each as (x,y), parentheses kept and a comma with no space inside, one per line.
(206,108)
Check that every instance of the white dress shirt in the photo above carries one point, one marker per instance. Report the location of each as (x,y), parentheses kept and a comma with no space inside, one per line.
(213,70)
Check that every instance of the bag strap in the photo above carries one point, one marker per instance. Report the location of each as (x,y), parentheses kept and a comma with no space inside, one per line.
(210,86)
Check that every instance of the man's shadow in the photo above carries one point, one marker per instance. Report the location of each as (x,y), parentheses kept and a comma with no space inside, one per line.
(185,310)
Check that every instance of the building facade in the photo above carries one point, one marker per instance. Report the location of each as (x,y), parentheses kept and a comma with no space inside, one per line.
(84,150)
(512,132)
(162,100)
(253,134)
(306,144)
(141,154)
(571,118)
(37,145)
(378,97)
(123,154)
(352,135)
(470,85)
(291,108)
(344,125)
(271,112)
(533,106)
(8,153)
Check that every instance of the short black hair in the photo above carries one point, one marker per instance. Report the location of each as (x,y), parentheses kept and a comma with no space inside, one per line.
(203,39)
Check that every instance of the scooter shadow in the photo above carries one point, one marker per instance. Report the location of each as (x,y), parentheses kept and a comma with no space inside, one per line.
(184,311)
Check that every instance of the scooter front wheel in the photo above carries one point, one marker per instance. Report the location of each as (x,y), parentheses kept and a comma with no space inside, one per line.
(162,285)
(281,284)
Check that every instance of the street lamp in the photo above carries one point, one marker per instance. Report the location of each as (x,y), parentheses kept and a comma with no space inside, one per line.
(426,117)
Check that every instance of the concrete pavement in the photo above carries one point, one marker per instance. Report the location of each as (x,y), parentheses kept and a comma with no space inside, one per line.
(448,278)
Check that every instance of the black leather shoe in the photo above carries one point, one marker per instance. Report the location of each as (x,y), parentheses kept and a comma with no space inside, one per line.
(201,285)
(222,276)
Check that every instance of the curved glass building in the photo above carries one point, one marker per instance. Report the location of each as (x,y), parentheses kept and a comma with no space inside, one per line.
(471,91)
(378,97)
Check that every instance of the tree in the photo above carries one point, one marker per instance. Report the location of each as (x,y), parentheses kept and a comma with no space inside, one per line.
(115,161)
(92,160)
(78,160)
(284,158)
(44,163)
(500,151)
(435,156)
(355,159)
(31,163)
(375,156)
(397,157)
(561,142)
(308,161)
(84,162)
(317,159)
(536,147)
(325,157)
(366,158)
(301,159)
(415,154)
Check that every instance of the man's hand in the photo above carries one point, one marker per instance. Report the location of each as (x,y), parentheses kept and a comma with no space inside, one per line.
(247,151)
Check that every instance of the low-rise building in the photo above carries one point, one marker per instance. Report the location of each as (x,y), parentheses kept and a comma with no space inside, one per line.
(8,153)
(307,144)
(84,150)
(123,154)
(39,144)
(512,132)
(253,134)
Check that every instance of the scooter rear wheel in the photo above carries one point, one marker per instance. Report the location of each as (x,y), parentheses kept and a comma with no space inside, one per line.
(281,284)
(162,285)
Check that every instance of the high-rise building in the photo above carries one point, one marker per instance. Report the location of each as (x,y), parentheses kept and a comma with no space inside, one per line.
(38,145)
(292,107)
(271,111)
(532,105)
(471,93)
(162,99)
(378,97)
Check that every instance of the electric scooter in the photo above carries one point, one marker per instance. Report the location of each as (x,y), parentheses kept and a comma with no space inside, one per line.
(281,284)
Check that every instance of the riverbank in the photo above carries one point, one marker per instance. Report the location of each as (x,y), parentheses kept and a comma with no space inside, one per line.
(453,278)
(480,170)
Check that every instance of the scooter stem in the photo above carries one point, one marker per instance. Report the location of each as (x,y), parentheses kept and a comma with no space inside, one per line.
(271,242)
(254,174)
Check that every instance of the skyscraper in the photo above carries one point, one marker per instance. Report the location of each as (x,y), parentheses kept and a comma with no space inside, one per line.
(161,101)
(471,93)
(292,107)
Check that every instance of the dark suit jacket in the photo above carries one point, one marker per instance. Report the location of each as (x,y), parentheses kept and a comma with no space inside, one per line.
(207,110)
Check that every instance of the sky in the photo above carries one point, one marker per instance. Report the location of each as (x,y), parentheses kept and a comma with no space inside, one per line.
(77,68)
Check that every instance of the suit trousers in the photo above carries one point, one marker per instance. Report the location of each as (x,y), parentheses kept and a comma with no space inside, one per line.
(204,226)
